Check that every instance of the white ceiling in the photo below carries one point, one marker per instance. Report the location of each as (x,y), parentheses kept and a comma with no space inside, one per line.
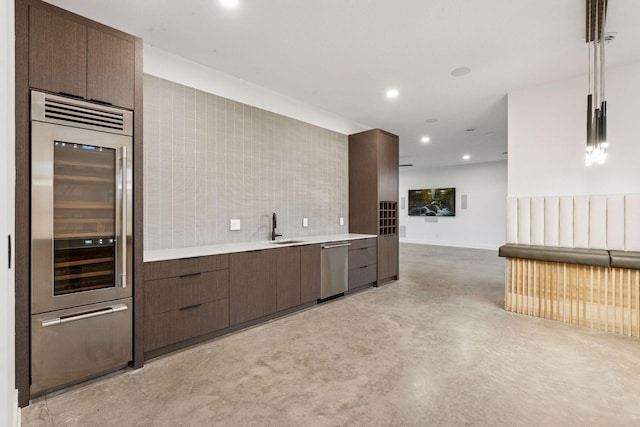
(342,56)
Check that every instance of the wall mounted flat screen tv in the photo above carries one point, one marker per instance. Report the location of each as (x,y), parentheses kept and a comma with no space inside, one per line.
(432,202)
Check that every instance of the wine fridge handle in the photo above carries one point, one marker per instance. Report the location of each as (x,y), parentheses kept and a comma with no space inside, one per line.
(123,244)
(81,316)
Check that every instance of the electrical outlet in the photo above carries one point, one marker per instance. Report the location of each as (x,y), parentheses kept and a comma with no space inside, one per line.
(234,224)
(305,222)
(341,220)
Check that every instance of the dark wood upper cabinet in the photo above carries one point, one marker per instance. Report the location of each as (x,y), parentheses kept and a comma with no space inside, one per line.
(57,53)
(387,167)
(70,57)
(110,69)
(363,183)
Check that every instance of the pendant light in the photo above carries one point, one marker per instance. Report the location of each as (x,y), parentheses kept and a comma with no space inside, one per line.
(596,105)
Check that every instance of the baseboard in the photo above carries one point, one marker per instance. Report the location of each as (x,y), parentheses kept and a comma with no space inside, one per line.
(17,413)
(451,244)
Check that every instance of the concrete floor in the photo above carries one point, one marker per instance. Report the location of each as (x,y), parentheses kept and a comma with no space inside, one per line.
(435,348)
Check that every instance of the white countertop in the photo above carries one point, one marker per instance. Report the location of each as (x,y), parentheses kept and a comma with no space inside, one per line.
(196,251)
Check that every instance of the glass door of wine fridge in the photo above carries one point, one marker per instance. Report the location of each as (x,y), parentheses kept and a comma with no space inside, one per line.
(81,219)
(84,218)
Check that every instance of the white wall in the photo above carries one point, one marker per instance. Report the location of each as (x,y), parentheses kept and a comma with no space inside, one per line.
(171,67)
(9,413)
(547,138)
(481,225)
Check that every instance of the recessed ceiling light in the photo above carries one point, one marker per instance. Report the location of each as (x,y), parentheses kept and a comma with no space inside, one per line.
(431,120)
(230,3)
(392,93)
(425,139)
(462,71)
(466,157)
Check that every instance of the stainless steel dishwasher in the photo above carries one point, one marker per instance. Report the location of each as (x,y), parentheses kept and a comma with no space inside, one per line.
(335,269)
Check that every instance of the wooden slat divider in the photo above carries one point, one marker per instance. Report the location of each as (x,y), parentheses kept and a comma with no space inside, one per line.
(597,297)
(637,310)
(591,303)
(606,300)
(507,281)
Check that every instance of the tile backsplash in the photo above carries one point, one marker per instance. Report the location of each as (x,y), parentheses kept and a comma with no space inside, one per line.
(209,159)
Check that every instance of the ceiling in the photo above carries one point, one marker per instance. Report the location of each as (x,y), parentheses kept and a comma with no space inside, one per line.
(343,55)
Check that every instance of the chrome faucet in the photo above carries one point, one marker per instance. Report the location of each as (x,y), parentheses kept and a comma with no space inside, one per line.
(273,228)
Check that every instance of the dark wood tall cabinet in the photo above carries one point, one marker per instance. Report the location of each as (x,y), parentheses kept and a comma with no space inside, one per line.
(59,52)
(373,195)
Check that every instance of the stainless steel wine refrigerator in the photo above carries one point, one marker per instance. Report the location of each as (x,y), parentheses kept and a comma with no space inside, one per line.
(81,262)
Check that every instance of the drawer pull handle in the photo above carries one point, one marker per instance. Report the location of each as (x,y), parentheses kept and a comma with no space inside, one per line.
(364,266)
(363,249)
(190,306)
(85,315)
(190,274)
(339,245)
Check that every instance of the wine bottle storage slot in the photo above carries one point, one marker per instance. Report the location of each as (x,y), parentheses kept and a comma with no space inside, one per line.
(85,179)
(82,165)
(388,218)
(83,262)
(83,205)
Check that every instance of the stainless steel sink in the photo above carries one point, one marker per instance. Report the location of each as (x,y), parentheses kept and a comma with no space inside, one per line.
(285,241)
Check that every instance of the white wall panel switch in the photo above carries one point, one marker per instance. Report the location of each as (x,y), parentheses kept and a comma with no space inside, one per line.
(305,222)
(341,220)
(234,224)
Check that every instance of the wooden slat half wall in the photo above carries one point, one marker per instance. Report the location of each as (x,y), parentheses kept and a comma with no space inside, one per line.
(595,297)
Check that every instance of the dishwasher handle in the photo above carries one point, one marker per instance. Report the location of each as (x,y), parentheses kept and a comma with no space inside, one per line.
(336,246)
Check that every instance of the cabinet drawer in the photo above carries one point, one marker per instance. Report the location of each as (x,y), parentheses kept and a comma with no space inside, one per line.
(362,276)
(362,243)
(181,267)
(174,326)
(362,257)
(172,268)
(164,295)
(214,262)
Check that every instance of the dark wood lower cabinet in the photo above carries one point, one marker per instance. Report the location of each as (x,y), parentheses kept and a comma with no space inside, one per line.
(309,273)
(363,270)
(252,292)
(194,299)
(388,258)
(171,327)
(287,278)
(184,299)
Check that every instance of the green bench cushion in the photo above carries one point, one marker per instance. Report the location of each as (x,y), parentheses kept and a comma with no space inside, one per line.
(625,259)
(595,257)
